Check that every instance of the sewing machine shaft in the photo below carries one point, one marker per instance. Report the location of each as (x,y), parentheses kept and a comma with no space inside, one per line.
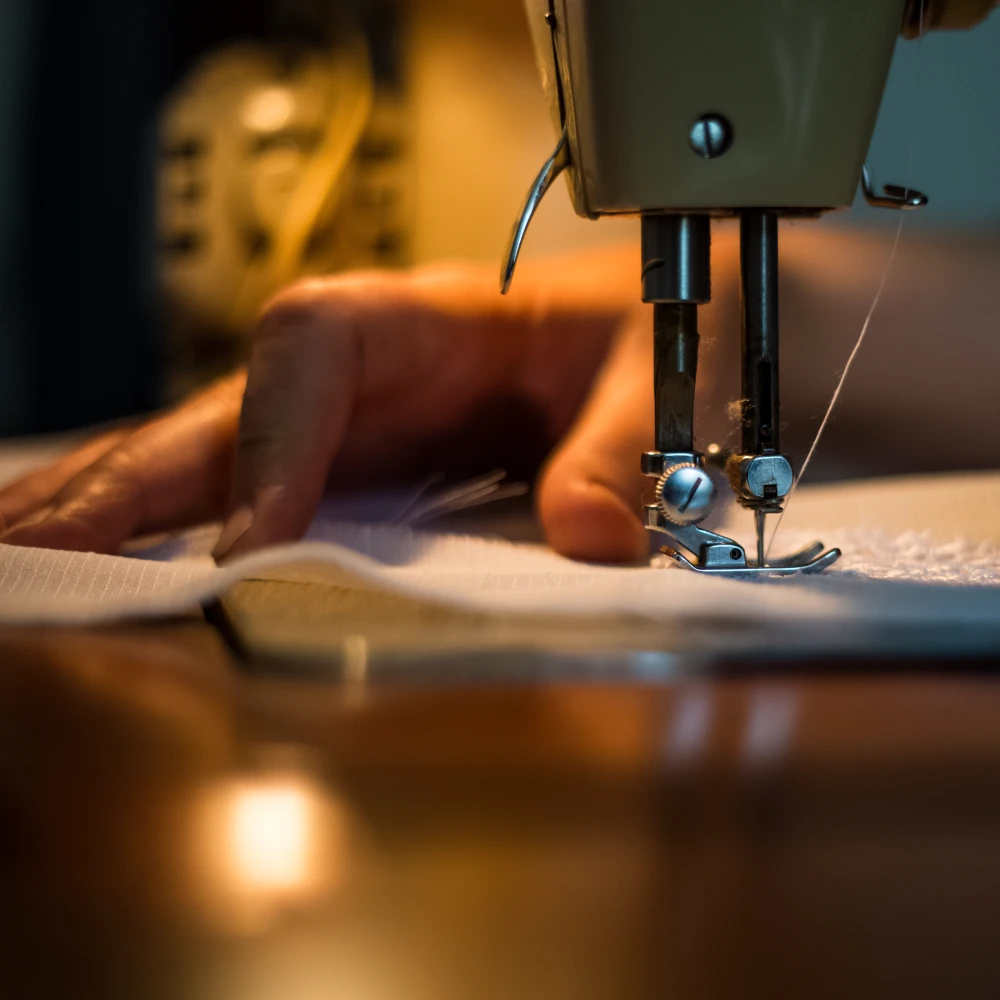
(676,279)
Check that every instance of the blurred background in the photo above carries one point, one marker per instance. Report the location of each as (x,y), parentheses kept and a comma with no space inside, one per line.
(166,166)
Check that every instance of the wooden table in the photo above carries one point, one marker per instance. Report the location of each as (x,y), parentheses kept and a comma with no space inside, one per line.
(174,825)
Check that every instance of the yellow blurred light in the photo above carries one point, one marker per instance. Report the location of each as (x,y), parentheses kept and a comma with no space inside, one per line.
(269,109)
(271,831)
(264,842)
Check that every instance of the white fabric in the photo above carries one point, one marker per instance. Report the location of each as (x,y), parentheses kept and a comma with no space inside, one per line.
(37,585)
(872,583)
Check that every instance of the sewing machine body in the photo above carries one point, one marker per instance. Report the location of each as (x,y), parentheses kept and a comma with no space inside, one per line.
(800,85)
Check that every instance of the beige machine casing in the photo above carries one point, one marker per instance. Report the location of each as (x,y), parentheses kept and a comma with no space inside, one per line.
(800,82)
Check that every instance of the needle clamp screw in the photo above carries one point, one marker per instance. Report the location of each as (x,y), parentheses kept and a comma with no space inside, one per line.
(685,494)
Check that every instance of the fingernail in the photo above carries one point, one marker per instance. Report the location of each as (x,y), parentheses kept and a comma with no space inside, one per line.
(236,527)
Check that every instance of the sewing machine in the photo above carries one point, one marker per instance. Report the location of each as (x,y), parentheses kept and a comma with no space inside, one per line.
(685,112)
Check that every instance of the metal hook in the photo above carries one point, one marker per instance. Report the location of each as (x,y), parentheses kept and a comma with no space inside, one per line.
(893,195)
(553,167)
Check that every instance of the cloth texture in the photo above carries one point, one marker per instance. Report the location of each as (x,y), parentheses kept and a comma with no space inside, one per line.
(894,569)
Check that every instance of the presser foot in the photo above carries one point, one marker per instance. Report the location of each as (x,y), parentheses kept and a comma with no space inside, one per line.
(711,553)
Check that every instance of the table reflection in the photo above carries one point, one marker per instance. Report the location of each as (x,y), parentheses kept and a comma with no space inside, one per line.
(267,840)
(173,827)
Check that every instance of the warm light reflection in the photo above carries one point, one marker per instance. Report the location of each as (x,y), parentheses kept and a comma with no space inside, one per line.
(269,109)
(267,840)
(271,831)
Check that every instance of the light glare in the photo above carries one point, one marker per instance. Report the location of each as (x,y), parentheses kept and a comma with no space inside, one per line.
(271,834)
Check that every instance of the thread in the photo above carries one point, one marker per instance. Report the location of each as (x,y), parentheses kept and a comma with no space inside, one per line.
(874,306)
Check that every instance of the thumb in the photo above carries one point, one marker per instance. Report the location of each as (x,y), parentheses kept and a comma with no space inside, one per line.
(591,491)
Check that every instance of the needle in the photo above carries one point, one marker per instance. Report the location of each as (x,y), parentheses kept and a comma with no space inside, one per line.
(758,520)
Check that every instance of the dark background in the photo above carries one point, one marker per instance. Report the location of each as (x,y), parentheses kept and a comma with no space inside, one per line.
(81,84)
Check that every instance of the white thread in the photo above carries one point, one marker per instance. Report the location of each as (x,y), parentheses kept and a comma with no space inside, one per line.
(875,301)
(840,381)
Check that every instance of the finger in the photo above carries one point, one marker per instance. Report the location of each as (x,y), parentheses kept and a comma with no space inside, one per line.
(591,490)
(301,387)
(362,374)
(398,359)
(34,491)
(172,472)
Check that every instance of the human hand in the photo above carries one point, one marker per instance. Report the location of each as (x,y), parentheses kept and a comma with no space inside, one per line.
(371,377)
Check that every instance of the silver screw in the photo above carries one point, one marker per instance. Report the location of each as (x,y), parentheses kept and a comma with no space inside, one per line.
(685,494)
(767,470)
(711,136)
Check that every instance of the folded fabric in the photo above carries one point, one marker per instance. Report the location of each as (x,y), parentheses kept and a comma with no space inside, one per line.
(887,575)
(38,585)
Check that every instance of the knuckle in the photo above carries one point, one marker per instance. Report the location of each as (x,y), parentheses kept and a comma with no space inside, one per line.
(298,303)
(307,332)
(323,305)
(256,438)
(301,310)
(108,496)
(331,305)
(119,474)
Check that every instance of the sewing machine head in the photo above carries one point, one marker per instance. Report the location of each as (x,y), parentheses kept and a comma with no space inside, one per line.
(682,111)
(714,106)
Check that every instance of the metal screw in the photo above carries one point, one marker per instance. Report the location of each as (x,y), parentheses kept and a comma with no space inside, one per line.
(710,136)
(735,554)
(759,472)
(685,494)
